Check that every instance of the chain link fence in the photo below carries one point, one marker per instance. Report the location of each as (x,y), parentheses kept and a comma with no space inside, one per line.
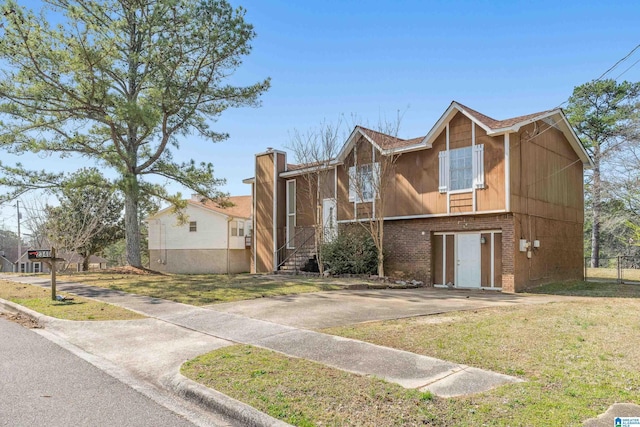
(623,269)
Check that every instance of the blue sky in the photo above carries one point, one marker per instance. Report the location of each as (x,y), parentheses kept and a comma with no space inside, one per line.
(331,58)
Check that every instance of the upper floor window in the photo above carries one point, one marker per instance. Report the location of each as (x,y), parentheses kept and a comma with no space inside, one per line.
(362,182)
(193,226)
(461,169)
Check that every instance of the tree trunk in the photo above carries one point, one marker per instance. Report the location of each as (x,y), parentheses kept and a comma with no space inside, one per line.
(85,262)
(132,227)
(596,195)
(380,245)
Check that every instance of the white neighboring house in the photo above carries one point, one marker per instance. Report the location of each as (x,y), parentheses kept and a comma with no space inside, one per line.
(213,240)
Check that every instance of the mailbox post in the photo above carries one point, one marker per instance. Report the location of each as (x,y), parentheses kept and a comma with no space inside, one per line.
(49,256)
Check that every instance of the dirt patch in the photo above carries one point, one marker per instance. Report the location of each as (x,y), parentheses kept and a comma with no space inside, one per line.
(133,270)
(21,319)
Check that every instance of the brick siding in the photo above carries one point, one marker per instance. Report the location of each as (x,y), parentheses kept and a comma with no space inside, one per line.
(408,244)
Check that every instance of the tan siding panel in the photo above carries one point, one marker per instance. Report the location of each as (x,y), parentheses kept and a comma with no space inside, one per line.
(548,181)
(459,131)
(264,213)
(491,198)
(436,250)
(451,259)
(485,260)
(461,202)
(497,259)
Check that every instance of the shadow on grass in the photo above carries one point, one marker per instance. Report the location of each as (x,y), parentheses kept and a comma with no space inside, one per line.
(590,289)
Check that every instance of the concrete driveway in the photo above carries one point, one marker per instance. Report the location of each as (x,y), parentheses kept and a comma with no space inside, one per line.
(337,308)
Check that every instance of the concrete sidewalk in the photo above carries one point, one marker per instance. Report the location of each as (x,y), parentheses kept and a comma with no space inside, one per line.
(155,348)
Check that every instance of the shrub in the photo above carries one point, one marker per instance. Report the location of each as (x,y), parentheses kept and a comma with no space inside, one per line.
(351,252)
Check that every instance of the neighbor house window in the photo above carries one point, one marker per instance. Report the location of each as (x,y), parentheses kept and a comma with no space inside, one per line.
(362,182)
(237,229)
(37,267)
(193,226)
(461,169)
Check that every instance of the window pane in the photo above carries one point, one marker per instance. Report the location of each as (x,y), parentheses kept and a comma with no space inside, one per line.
(460,168)
(291,196)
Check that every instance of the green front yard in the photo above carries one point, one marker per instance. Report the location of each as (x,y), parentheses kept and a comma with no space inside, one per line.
(203,289)
(39,299)
(577,358)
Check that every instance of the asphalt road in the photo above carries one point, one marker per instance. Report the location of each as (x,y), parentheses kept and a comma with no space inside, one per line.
(44,385)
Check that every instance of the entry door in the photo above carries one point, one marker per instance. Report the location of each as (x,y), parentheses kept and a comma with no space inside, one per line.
(329,219)
(468,260)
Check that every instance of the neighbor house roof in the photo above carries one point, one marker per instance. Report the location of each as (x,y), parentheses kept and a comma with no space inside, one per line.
(241,206)
(75,258)
(11,254)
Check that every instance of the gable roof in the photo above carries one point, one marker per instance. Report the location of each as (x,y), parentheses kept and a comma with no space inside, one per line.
(241,206)
(391,144)
(11,253)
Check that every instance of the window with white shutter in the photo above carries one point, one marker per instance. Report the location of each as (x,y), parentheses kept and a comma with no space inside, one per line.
(461,169)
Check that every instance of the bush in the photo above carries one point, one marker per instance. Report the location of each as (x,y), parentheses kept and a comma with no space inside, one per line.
(351,252)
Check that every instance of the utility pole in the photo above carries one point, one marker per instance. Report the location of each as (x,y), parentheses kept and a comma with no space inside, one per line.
(19,237)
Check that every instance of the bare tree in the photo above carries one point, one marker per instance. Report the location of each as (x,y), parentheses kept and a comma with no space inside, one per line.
(35,220)
(370,182)
(314,151)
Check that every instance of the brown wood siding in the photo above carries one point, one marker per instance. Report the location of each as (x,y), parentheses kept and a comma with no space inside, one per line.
(559,258)
(436,250)
(327,184)
(364,152)
(497,266)
(345,207)
(459,131)
(546,174)
(414,190)
(415,187)
(451,260)
(305,201)
(282,200)
(491,197)
(264,213)
(485,260)
(461,202)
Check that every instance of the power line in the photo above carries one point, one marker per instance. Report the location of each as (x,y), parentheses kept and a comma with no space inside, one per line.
(632,65)
(617,63)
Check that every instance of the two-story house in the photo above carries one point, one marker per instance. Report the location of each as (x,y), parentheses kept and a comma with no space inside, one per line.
(475,203)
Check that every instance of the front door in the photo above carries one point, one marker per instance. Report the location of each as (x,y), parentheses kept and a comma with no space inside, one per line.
(468,260)
(329,219)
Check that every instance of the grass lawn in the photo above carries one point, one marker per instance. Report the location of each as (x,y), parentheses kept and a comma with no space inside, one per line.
(203,289)
(590,289)
(612,273)
(577,358)
(39,299)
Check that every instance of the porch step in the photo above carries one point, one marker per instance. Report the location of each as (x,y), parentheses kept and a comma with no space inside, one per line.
(298,260)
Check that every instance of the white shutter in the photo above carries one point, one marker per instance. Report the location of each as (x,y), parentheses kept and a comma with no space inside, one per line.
(478,166)
(352,184)
(444,171)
